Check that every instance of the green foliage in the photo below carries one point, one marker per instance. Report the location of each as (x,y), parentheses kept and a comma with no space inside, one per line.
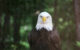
(78,43)
(60,19)
(24,44)
(50,10)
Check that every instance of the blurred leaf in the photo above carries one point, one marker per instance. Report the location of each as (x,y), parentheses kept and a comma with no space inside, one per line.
(25,28)
(14,46)
(60,19)
(24,44)
(49,9)
(78,43)
(66,23)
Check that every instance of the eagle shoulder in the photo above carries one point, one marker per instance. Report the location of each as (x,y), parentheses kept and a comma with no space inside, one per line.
(55,39)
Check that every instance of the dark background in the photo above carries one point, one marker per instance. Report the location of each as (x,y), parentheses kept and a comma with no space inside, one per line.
(18,17)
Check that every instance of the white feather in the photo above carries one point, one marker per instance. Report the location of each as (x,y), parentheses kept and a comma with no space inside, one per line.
(47,25)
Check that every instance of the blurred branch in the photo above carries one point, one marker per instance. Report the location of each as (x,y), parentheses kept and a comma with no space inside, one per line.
(77,18)
(55,11)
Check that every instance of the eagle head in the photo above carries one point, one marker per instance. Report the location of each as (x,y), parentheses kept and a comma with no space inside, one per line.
(44,21)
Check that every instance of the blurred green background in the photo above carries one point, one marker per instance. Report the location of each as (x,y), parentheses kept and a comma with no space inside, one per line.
(18,17)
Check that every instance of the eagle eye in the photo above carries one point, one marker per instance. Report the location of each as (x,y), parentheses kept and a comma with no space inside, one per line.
(47,16)
(41,16)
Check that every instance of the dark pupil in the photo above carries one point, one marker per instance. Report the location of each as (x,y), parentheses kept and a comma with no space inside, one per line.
(41,16)
(47,16)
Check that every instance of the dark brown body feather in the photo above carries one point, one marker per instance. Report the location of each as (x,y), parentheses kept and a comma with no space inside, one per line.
(44,40)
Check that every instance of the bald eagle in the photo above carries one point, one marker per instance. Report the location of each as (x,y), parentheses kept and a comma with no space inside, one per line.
(44,36)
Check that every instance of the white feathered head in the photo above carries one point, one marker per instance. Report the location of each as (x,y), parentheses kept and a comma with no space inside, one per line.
(44,21)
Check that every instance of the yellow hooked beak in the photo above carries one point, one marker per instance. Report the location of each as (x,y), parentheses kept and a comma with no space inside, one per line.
(44,19)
